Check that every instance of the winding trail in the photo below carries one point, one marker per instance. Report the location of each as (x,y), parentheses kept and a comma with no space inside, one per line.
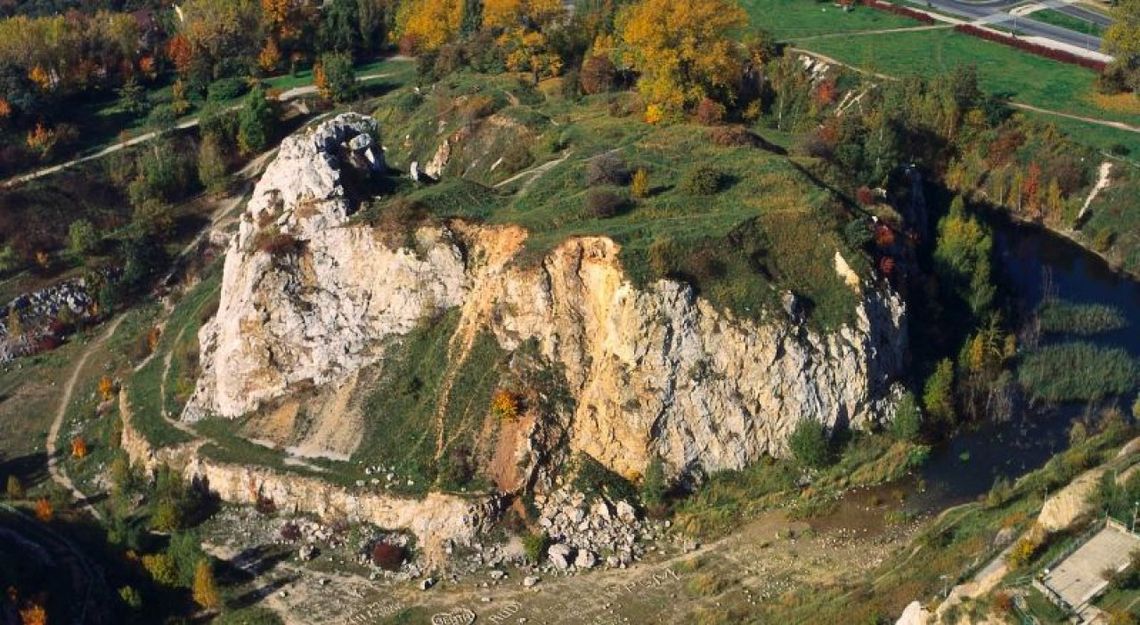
(882,31)
(58,474)
(534,173)
(1091,120)
(286,96)
(1018,105)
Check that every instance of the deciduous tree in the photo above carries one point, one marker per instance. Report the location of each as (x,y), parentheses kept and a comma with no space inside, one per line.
(504,405)
(226,34)
(639,185)
(44,510)
(598,75)
(684,49)
(131,597)
(429,23)
(78,448)
(205,587)
(42,139)
(938,394)
(212,163)
(82,237)
(161,568)
(270,57)
(14,488)
(181,53)
(1122,40)
(255,122)
(809,443)
(336,80)
(507,14)
(33,614)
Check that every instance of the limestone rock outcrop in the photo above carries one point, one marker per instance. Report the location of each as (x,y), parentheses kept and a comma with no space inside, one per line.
(290,315)
(437,519)
(1064,507)
(914,614)
(654,370)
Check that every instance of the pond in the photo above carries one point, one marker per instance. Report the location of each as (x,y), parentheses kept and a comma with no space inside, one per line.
(1036,262)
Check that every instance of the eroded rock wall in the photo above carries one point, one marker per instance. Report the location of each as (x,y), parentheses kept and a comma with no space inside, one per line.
(435,519)
(653,370)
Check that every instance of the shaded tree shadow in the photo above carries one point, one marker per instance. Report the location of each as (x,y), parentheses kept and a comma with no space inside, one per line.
(247,565)
(30,469)
(255,595)
(768,146)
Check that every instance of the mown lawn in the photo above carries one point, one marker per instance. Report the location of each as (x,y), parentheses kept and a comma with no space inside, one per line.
(1002,70)
(790,19)
(1076,24)
(397,68)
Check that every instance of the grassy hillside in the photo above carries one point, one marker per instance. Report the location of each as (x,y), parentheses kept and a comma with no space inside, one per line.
(767,223)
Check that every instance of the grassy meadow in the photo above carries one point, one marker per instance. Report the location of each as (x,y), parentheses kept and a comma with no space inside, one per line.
(793,19)
(1023,77)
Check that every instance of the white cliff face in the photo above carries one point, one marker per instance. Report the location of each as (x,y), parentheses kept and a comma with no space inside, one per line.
(653,371)
(314,316)
(320,310)
(662,371)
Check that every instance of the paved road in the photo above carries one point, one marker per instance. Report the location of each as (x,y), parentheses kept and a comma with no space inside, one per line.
(1079,12)
(998,12)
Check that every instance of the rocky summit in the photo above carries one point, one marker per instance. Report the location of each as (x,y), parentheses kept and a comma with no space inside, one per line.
(569,312)
(651,371)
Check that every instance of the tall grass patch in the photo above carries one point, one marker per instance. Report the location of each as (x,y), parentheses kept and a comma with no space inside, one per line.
(399,413)
(1077,371)
(1061,317)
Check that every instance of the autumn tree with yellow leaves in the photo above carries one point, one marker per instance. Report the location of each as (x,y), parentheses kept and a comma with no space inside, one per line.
(519,25)
(1122,40)
(205,587)
(507,14)
(223,35)
(683,49)
(425,25)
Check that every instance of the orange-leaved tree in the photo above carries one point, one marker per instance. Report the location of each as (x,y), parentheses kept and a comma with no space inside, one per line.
(106,388)
(44,510)
(78,447)
(180,52)
(33,614)
(270,56)
(683,49)
(321,81)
